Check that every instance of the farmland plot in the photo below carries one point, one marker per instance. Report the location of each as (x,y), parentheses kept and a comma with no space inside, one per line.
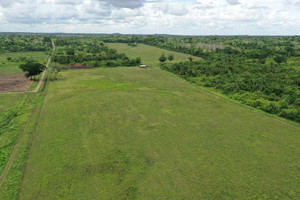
(130,133)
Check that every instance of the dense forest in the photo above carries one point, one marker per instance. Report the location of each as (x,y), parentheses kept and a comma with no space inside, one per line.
(23,43)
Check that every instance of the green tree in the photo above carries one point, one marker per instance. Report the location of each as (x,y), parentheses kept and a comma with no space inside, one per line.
(32,69)
(70,52)
(162,58)
(280,58)
(171,57)
(190,59)
(47,39)
(56,70)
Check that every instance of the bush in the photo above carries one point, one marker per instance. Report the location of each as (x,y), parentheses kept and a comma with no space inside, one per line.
(162,58)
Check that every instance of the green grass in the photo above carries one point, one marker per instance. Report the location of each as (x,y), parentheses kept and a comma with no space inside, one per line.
(130,133)
(22,127)
(12,68)
(13,115)
(7,101)
(149,54)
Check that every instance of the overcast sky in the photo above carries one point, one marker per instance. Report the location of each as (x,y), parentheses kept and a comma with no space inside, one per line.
(180,17)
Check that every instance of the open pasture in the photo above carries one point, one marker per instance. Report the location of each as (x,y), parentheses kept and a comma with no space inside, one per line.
(11,66)
(149,54)
(130,133)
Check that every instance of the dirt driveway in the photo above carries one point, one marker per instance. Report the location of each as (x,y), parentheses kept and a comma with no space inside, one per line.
(14,83)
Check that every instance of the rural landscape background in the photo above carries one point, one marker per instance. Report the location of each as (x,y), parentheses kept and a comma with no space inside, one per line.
(149,99)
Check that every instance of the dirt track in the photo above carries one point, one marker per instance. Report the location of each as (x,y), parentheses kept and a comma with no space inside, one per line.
(43,75)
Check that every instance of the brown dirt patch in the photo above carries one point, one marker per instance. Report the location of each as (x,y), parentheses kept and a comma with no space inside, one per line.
(15,83)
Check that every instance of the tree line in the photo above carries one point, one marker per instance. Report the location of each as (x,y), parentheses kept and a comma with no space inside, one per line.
(270,87)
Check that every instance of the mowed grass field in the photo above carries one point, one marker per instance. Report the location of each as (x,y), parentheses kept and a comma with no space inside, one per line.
(130,133)
(12,67)
(149,54)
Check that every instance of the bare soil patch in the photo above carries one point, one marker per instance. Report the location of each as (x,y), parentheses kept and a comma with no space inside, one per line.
(14,83)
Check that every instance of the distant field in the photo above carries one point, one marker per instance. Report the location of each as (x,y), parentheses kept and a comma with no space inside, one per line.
(148,53)
(129,133)
(12,68)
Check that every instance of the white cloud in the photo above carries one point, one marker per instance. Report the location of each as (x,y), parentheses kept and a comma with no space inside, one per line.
(152,16)
(233,2)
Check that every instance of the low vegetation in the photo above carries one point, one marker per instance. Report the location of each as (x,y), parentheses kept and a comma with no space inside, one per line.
(10,62)
(130,133)
(106,129)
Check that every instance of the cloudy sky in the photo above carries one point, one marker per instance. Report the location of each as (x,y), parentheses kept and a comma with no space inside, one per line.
(180,17)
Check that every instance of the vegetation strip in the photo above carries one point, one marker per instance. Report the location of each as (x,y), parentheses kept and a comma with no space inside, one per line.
(43,75)
(39,108)
(20,137)
(13,154)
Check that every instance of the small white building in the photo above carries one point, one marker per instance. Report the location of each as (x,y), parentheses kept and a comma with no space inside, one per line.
(143,66)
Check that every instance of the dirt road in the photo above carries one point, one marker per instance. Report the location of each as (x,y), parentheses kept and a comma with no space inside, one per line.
(44,72)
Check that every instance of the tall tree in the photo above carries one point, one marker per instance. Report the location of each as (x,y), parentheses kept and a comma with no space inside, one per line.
(32,69)
(162,58)
(171,57)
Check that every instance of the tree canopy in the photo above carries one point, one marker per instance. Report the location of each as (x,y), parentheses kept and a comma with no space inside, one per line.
(32,69)
(162,58)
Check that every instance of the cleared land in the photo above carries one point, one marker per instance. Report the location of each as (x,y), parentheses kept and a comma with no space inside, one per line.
(12,77)
(14,83)
(130,133)
(148,53)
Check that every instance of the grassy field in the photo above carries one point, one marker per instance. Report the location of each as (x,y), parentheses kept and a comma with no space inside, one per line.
(12,67)
(148,53)
(7,101)
(14,112)
(11,119)
(130,133)
(17,124)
